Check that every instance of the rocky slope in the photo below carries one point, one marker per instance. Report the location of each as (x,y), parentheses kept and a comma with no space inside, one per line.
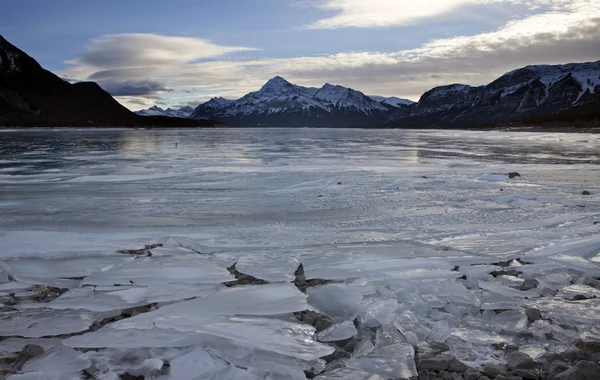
(542,92)
(32,96)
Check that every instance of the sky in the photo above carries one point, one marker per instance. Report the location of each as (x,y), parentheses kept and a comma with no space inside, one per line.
(183,52)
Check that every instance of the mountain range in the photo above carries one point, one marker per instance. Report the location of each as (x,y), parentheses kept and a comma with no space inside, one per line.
(34,97)
(537,93)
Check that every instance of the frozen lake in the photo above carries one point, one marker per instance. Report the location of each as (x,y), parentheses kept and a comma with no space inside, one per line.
(388,213)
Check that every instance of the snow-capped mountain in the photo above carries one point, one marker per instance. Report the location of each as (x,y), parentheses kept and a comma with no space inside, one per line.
(281,103)
(392,101)
(528,93)
(183,112)
(208,109)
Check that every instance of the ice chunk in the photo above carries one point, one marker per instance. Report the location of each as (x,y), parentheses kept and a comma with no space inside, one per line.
(268,299)
(184,269)
(440,332)
(16,344)
(554,281)
(285,338)
(391,362)
(349,374)
(498,288)
(572,291)
(97,300)
(409,324)
(478,337)
(478,272)
(61,360)
(383,311)
(338,301)
(37,323)
(511,320)
(339,331)
(14,286)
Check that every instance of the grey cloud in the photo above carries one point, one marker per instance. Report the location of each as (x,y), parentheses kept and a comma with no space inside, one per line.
(143,88)
(472,64)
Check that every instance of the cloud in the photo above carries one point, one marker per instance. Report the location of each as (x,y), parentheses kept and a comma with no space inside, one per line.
(564,31)
(126,64)
(135,88)
(382,13)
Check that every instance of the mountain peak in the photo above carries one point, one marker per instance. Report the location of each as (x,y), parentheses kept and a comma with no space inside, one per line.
(276,84)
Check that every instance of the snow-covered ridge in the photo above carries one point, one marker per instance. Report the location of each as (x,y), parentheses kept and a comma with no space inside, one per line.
(392,101)
(182,112)
(586,74)
(280,96)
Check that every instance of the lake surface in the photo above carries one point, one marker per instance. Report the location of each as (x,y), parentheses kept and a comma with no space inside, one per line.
(389,213)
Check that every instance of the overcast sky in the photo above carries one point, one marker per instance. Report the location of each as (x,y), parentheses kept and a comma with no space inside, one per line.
(173,53)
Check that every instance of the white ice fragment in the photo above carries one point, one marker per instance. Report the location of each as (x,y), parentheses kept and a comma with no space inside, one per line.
(3,276)
(391,362)
(337,332)
(554,281)
(338,301)
(92,299)
(478,337)
(12,286)
(383,311)
(16,344)
(410,325)
(37,323)
(286,338)
(349,374)
(61,360)
(510,320)
(271,299)
(439,332)
(572,291)
(184,269)
(478,272)
(131,295)
(194,364)
(498,288)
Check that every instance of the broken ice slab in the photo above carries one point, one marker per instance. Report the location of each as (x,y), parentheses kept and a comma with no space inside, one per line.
(16,344)
(61,360)
(478,272)
(61,272)
(579,263)
(495,301)
(495,286)
(348,374)
(478,337)
(383,311)
(555,281)
(12,286)
(339,331)
(271,299)
(510,320)
(185,269)
(440,332)
(569,313)
(391,362)
(37,323)
(89,298)
(286,338)
(339,301)
(408,323)
(576,291)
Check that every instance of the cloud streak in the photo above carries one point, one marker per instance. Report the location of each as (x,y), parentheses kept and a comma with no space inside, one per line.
(384,13)
(564,31)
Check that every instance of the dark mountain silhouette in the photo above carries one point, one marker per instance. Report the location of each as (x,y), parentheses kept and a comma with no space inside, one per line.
(33,96)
